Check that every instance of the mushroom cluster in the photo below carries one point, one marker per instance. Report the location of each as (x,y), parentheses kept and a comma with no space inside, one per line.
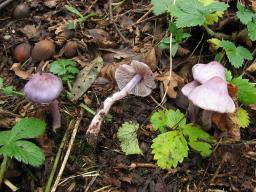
(208,92)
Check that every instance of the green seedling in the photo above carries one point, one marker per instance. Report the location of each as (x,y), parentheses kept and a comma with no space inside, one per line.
(81,18)
(66,69)
(14,144)
(176,137)
(8,90)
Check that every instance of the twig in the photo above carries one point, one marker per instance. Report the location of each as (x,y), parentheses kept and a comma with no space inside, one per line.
(57,158)
(72,139)
(10,185)
(114,23)
(144,16)
(2,5)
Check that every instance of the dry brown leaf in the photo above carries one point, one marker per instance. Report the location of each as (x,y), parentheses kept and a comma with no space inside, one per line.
(150,59)
(102,38)
(253,107)
(252,67)
(108,71)
(22,74)
(46,144)
(30,31)
(50,3)
(181,51)
(175,83)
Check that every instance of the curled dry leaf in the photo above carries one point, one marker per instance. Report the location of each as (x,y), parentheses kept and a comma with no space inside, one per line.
(181,51)
(108,71)
(30,31)
(21,74)
(229,122)
(86,77)
(252,67)
(150,59)
(175,83)
(102,38)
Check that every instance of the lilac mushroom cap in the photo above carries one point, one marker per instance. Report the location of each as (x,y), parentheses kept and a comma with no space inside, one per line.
(43,88)
(204,72)
(186,90)
(125,73)
(213,96)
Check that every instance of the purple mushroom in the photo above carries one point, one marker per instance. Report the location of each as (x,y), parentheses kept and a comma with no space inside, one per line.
(204,72)
(136,79)
(212,96)
(45,88)
(192,109)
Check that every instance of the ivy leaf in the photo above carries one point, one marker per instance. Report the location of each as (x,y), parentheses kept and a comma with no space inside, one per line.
(251,26)
(161,6)
(169,118)
(246,90)
(244,15)
(243,118)
(194,133)
(236,55)
(27,128)
(24,151)
(169,149)
(127,135)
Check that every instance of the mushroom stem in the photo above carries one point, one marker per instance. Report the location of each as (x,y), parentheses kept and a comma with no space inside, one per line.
(193,112)
(207,119)
(56,117)
(94,127)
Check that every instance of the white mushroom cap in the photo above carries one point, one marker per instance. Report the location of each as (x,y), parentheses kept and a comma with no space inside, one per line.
(125,73)
(43,88)
(204,72)
(213,96)
(186,90)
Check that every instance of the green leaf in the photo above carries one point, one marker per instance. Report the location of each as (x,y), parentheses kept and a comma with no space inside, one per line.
(1,83)
(24,151)
(169,118)
(127,135)
(244,15)
(194,132)
(243,118)
(161,6)
(251,26)
(228,75)
(246,91)
(27,128)
(72,69)
(4,137)
(8,90)
(73,10)
(169,149)
(236,55)
(71,25)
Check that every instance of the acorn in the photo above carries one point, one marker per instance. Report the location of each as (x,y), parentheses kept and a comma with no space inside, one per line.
(21,11)
(43,50)
(70,49)
(22,52)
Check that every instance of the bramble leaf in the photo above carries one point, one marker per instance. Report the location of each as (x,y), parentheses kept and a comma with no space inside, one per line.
(169,149)
(244,15)
(127,135)
(194,132)
(251,26)
(246,90)
(161,6)
(243,118)
(4,137)
(228,75)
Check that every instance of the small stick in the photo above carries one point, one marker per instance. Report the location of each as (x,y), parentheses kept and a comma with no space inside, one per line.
(70,144)
(10,185)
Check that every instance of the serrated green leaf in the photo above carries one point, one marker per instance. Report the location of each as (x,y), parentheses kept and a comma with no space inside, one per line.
(169,149)
(127,135)
(246,90)
(194,132)
(228,75)
(243,118)
(4,137)
(27,128)
(72,69)
(251,26)
(244,15)
(24,151)
(245,53)
(161,6)
(73,10)
(169,118)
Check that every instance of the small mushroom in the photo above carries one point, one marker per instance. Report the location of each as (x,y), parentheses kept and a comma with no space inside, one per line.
(212,96)
(192,109)
(136,79)
(43,50)
(45,88)
(204,72)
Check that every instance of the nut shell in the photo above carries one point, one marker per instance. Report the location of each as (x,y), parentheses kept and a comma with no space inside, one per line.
(21,11)
(22,52)
(43,50)
(70,49)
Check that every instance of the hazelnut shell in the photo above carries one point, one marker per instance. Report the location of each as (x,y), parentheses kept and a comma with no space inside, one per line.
(22,52)
(70,49)
(21,11)
(43,50)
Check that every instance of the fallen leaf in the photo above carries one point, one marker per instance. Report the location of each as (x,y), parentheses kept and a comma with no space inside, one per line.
(102,38)
(108,71)
(50,3)
(252,67)
(175,82)
(30,31)
(181,51)
(150,59)
(253,107)
(86,77)
(46,144)
(22,74)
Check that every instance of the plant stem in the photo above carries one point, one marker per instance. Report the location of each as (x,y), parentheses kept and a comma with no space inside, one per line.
(214,34)
(3,169)
(57,158)
(69,86)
